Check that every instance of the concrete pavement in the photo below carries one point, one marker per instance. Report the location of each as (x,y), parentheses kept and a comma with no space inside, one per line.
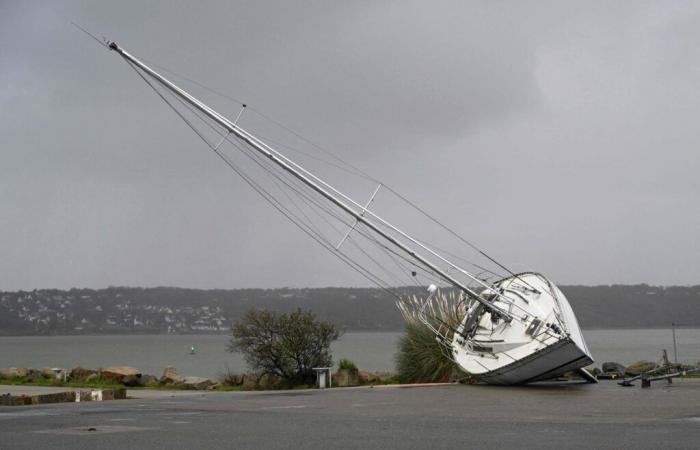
(453,416)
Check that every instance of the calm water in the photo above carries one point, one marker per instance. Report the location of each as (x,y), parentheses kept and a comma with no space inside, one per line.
(370,351)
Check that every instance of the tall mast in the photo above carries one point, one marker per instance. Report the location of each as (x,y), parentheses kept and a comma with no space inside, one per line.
(284,163)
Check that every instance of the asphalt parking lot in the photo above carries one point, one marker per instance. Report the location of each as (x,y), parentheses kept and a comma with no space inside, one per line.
(447,416)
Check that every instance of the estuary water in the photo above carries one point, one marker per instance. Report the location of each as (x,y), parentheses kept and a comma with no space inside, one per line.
(369,350)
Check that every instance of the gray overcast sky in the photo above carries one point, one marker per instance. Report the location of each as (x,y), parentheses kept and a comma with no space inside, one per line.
(559,135)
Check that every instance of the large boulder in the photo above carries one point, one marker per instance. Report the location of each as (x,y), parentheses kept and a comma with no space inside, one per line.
(198,383)
(147,380)
(269,381)
(118,374)
(170,376)
(80,373)
(385,376)
(48,373)
(368,377)
(346,377)
(14,372)
(92,378)
(248,381)
(640,367)
(132,380)
(613,367)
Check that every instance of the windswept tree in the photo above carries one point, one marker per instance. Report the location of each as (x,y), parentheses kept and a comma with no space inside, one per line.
(287,346)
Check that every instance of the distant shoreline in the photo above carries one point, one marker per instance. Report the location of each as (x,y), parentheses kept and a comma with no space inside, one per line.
(175,311)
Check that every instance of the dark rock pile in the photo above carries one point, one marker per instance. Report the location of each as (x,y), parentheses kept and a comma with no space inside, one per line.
(121,375)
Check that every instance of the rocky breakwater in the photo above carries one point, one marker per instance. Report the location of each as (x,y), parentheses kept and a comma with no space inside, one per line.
(128,376)
(614,370)
(30,375)
(116,376)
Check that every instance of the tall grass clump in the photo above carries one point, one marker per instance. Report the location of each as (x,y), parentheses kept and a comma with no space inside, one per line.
(420,357)
(346,364)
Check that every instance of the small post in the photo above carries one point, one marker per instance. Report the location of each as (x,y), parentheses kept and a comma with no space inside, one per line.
(675,351)
(321,374)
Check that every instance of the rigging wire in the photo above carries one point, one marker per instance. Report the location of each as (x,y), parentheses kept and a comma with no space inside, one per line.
(257,158)
(366,234)
(99,41)
(303,195)
(275,202)
(356,170)
(267,196)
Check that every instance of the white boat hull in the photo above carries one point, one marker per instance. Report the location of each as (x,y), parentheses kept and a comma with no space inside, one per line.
(551,362)
(545,343)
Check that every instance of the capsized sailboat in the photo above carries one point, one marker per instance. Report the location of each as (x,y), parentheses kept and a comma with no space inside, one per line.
(516,329)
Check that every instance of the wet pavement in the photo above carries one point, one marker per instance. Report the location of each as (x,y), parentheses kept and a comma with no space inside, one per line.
(446,416)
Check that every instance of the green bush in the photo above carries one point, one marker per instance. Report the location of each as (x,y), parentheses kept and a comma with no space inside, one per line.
(346,364)
(286,346)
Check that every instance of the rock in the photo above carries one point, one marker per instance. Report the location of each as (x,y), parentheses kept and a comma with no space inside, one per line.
(384,376)
(132,380)
(613,367)
(567,376)
(147,380)
(80,373)
(170,376)
(117,374)
(139,380)
(268,381)
(346,377)
(198,383)
(13,372)
(48,373)
(248,381)
(640,367)
(367,377)
(92,378)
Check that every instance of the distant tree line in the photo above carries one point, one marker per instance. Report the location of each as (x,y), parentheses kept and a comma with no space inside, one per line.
(177,310)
